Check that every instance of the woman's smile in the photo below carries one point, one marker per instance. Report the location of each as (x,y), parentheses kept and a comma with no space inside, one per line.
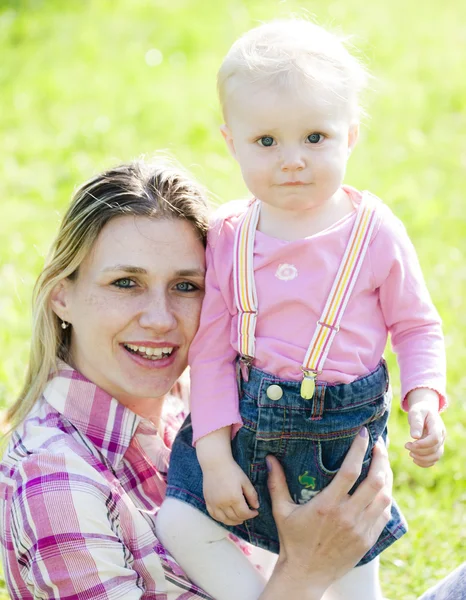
(150,356)
(150,351)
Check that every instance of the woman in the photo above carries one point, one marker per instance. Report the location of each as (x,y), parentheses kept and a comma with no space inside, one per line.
(115,310)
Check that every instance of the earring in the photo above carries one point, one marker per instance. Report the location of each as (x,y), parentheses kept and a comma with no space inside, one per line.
(64,325)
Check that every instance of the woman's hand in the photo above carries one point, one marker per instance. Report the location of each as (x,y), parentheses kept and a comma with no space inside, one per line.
(324,539)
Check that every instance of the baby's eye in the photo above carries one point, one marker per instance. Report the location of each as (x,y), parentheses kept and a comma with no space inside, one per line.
(124,282)
(266,141)
(315,138)
(186,286)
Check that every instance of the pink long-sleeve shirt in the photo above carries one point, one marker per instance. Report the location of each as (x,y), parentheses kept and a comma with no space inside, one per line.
(293,280)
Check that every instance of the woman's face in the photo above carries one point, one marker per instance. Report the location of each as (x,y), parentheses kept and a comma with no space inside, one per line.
(134,307)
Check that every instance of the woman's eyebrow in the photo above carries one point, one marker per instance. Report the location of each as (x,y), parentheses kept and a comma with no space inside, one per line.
(191,273)
(140,270)
(125,268)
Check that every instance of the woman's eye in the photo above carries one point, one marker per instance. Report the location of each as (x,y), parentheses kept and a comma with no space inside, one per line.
(266,141)
(186,286)
(125,282)
(315,138)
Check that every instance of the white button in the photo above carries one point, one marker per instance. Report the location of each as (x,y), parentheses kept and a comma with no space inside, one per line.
(274,392)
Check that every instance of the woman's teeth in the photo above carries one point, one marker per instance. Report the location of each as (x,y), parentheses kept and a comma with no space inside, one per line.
(148,352)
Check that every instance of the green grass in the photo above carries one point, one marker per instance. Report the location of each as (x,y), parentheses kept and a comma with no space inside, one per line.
(77,95)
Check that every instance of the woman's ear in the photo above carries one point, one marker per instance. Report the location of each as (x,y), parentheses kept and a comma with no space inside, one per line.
(60,300)
(226,133)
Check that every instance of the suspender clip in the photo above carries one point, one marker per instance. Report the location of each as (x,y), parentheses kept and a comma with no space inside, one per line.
(308,384)
(245,363)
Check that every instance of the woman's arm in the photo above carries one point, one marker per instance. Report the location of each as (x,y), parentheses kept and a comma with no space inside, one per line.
(67,534)
(324,539)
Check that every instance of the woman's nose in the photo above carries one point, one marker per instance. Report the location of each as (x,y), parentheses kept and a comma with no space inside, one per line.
(158,314)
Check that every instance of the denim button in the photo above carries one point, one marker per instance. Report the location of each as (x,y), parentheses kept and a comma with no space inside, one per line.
(274,392)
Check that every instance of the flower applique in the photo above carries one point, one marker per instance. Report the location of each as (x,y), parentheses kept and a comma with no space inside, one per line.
(286,272)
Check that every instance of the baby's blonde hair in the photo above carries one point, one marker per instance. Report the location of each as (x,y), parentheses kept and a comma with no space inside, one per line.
(293,52)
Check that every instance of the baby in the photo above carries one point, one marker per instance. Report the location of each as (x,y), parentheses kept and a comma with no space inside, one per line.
(304,283)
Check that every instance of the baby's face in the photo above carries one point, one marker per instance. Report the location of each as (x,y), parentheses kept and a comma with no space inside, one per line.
(292,146)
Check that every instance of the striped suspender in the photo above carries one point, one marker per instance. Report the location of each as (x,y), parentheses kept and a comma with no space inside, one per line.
(244,284)
(329,322)
(330,319)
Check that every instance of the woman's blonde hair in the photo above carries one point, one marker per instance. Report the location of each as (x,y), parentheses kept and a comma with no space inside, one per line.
(158,189)
(293,52)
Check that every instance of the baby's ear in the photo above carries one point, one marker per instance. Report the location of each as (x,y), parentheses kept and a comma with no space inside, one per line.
(226,133)
(353,136)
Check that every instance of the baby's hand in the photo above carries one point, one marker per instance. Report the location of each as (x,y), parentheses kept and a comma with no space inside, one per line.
(426,427)
(227,492)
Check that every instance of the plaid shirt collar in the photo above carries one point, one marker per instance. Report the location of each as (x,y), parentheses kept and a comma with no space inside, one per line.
(109,425)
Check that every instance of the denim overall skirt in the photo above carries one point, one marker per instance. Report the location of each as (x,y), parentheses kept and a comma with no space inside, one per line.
(309,438)
(309,425)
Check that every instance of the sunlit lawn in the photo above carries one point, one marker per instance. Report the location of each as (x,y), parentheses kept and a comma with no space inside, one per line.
(87,84)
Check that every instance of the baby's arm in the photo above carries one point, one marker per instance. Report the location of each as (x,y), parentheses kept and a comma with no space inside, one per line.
(214,390)
(227,490)
(416,336)
(214,400)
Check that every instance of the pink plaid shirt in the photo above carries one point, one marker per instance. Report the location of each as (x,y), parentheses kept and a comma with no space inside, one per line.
(81,482)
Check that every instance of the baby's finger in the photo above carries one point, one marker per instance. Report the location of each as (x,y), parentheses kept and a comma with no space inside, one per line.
(426,461)
(242,510)
(211,510)
(245,513)
(431,440)
(434,426)
(416,422)
(219,515)
(250,494)
(232,516)
(420,451)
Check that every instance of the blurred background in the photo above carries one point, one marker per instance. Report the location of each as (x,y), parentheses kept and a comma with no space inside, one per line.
(87,84)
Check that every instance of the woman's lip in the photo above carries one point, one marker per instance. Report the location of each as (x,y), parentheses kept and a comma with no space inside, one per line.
(152,344)
(147,363)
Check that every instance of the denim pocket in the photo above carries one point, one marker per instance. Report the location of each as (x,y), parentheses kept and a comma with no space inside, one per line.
(340,429)
(243,450)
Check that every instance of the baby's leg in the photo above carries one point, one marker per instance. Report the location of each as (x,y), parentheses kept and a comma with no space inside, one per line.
(264,559)
(206,554)
(360,583)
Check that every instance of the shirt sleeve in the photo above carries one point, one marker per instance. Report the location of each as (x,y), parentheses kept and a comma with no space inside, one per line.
(214,390)
(64,543)
(413,322)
